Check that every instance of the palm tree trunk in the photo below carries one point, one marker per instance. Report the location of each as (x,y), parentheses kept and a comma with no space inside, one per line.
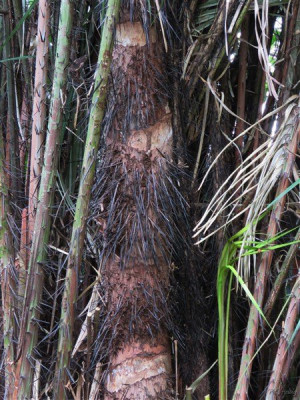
(136,257)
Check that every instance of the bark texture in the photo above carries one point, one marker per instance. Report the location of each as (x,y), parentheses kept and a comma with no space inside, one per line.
(132,191)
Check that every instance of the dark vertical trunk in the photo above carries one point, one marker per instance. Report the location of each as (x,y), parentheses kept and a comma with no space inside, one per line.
(132,190)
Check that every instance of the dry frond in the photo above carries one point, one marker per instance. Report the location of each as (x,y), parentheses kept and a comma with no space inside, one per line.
(273,167)
(260,171)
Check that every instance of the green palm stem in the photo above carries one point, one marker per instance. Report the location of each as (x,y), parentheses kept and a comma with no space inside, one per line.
(8,284)
(6,267)
(37,133)
(39,108)
(223,285)
(82,205)
(35,277)
(11,136)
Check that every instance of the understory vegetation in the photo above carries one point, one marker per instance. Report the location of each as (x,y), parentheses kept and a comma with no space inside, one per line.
(149,211)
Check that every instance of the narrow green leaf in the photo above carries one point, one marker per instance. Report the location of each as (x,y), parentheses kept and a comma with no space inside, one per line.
(247,291)
(297,182)
(196,383)
(294,334)
(15,59)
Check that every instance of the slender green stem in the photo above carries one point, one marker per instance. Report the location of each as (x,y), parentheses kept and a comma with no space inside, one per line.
(11,135)
(188,394)
(35,278)
(8,284)
(6,273)
(82,205)
(228,255)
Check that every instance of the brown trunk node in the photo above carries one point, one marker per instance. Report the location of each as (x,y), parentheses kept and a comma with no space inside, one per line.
(141,363)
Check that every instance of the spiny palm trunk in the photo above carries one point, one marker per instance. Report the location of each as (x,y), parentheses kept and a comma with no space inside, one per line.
(141,363)
(136,270)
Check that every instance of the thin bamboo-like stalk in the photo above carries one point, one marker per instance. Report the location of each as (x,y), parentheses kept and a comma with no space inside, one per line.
(241,390)
(37,137)
(188,394)
(37,132)
(277,379)
(24,257)
(11,137)
(96,382)
(6,273)
(35,276)
(37,377)
(241,98)
(39,108)
(24,129)
(82,205)
(8,284)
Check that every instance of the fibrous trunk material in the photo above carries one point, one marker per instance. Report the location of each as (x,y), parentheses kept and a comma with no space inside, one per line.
(135,197)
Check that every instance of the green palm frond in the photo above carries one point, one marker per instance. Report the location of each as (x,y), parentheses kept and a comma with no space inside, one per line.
(226,271)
